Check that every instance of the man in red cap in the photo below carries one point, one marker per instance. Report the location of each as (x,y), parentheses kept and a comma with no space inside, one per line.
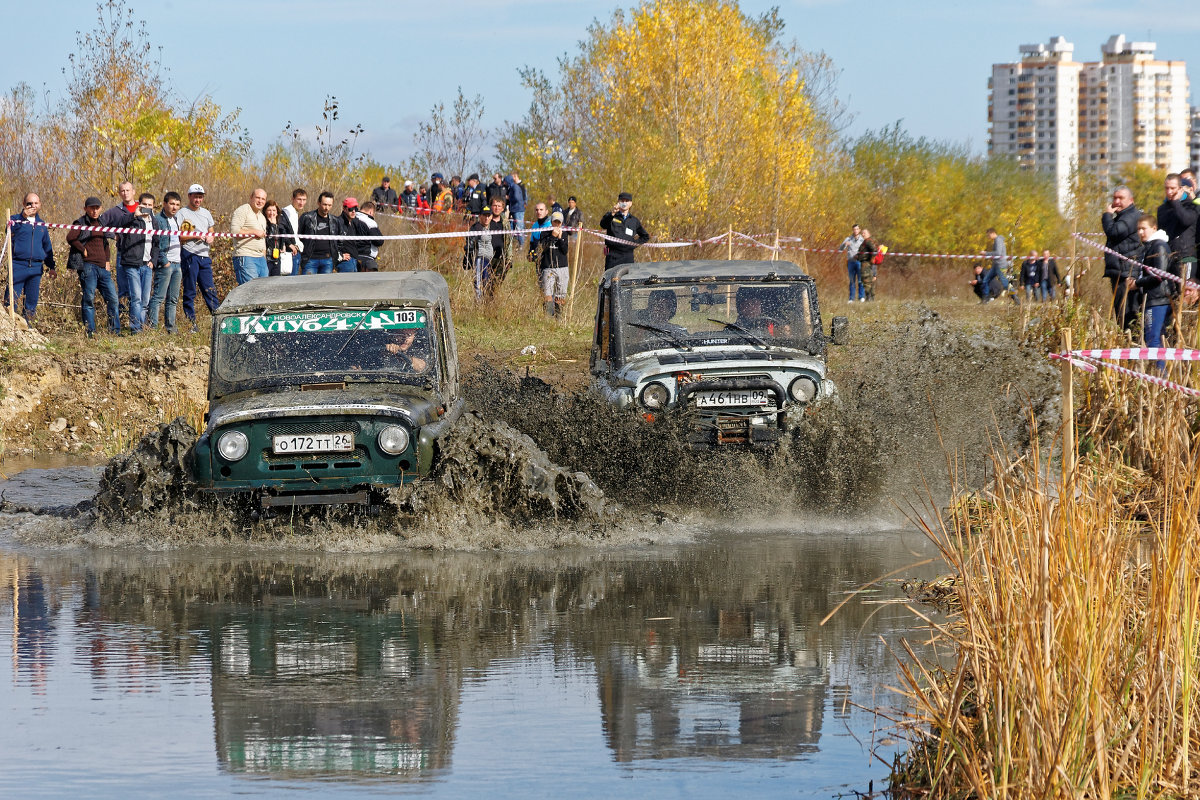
(350,247)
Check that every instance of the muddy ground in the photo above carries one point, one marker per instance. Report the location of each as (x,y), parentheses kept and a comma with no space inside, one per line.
(917,393)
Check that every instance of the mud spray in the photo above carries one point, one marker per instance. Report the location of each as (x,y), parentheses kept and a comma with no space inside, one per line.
(535,467)
(925,401)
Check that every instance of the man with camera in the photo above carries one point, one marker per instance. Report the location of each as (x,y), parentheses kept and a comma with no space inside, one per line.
(138,253)
(620,224)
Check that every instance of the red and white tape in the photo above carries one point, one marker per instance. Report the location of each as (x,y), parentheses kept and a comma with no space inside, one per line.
(1084,359)
(1158,273)
(1141,354)
(134,231)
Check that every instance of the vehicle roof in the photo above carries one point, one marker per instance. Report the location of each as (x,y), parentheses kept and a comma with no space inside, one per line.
(420,287)
(700,269)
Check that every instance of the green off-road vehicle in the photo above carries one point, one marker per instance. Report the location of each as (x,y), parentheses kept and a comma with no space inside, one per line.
(324,389)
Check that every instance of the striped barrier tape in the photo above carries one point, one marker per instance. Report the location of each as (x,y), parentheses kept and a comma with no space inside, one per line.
(1158,273)
(1140,354)
(219,234)
(1142,376)
(1083,365)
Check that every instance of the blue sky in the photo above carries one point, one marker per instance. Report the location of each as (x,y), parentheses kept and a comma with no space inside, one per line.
(924,63)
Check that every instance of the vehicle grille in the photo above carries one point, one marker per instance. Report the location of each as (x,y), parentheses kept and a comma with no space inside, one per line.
(293,427)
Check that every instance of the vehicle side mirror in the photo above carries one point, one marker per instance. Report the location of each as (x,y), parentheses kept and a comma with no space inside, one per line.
(839,330)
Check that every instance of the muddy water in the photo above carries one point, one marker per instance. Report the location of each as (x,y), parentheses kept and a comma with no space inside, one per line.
(695,669)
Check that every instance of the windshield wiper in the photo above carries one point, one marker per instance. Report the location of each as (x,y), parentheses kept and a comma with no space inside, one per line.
(663,332)
(356,328)
(752,337)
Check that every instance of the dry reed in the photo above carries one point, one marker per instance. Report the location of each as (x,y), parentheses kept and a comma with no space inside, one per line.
(1068,668)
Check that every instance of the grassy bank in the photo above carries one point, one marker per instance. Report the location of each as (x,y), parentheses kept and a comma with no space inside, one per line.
(1072,640)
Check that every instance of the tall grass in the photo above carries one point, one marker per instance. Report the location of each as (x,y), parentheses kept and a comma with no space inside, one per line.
(1069,666)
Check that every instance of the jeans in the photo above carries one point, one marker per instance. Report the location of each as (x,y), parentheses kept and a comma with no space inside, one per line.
(122,284)
(854,270)
(139,280)
(1047,290)
(27,281)
(1156,320)
(247,268)
(517,222)
(166,287)
(91,278)
(197,271)
(483,276)
(994,272)
(349,265)
(1033,291)
(316,266)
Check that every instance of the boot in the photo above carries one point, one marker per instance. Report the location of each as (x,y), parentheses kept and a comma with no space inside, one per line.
(550,309)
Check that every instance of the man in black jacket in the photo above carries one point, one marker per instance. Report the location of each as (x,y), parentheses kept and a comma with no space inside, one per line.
(475,196)
(1119,222)
(137,256)
(319,255)
(553,273)
(622,225)
(384,196)
(1177,218)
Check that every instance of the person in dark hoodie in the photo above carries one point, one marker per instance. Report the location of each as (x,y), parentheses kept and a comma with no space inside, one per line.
(1157,291)
(31,255)
(137,256)
(1177,218)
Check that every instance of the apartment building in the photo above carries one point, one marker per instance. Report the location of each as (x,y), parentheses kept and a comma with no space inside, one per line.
(1051,112)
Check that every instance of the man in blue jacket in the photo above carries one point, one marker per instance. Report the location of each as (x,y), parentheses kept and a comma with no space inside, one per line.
(31,251)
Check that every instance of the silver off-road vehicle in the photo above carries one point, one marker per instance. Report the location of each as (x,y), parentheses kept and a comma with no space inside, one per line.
(737,346)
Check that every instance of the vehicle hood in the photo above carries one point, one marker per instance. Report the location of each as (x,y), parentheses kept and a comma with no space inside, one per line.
(721,359)
(401,401)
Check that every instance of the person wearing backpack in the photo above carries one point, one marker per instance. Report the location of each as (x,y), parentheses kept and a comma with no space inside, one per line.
(89,257)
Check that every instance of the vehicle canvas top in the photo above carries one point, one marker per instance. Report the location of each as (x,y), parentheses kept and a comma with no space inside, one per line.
(417,287)
(705,270)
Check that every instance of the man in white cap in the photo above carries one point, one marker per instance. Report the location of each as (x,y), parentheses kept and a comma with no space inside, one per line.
(408,198)
(553,274)
(196,226)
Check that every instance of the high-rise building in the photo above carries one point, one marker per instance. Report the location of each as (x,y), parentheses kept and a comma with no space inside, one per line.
(1051,112)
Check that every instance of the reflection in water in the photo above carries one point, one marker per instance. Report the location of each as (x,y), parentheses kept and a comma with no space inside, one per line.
(352,668)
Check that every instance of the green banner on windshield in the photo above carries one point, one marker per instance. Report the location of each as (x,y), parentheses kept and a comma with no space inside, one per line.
(324,321)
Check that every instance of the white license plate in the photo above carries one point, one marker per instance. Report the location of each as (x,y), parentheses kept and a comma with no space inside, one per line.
(313,443)
(738,397)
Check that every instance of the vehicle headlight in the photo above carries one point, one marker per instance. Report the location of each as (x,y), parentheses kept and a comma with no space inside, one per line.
(655,395)
(393,439)
(233,445)
(803,389)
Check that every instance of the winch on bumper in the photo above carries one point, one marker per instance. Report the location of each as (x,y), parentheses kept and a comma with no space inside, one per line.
(734,422)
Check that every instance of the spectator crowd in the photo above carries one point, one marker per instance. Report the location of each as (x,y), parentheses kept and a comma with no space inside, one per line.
(160,255)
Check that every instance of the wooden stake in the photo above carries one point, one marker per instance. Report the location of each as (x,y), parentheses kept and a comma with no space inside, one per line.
(1068,410)
(573,278)
(12,298)
(729,240)
(775,252)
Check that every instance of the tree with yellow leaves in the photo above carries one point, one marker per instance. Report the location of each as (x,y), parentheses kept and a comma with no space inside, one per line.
(691,105)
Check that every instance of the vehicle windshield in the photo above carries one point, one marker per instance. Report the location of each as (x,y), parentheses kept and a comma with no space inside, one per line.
(272,347)
(765,315)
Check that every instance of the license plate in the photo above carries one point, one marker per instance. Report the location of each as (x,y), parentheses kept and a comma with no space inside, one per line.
(739,397)
(313,443)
